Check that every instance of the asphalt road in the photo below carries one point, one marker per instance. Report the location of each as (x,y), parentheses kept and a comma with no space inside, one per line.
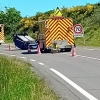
(73,78)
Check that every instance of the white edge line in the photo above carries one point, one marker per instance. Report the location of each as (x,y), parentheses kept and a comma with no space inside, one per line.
(24,57)
(90,49)
(32,60)
(89,96)
(41,63)
(12,55)
(1,53)
(89,57)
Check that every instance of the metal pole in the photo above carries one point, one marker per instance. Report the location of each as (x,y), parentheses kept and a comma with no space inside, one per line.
(84,37)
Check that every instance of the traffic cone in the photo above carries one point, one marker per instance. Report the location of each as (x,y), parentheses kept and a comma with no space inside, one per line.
(73,52)
(10,47)
(29,50)
(39,51)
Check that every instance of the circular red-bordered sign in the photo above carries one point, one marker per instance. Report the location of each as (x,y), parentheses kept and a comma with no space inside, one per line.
(78,29)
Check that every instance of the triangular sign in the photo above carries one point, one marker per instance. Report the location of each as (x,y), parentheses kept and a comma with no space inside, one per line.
(57,12)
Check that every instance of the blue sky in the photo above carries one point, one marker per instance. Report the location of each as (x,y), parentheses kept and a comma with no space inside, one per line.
(31,7)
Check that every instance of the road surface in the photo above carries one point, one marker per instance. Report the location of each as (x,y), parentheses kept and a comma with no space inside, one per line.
(73,78)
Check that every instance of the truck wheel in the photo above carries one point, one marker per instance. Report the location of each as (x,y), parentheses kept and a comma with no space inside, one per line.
(0,43)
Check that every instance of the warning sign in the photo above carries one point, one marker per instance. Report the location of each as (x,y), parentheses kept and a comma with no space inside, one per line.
(78,30)
(57,12)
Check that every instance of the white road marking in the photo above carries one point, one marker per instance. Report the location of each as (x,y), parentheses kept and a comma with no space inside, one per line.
(12,55)
(90,49)
(32,60)
(89,57)
(89,96)
(41,63)
(23,57)
(1,53)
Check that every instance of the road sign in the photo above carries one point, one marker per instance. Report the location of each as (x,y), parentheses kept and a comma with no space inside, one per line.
(78,30)
(57,13)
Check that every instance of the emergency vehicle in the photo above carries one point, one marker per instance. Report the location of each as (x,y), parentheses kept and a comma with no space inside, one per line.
(1,34)
(56,30)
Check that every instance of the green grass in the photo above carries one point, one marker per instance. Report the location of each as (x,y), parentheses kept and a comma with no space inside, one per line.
(91,37)
(8,39)
(17,82)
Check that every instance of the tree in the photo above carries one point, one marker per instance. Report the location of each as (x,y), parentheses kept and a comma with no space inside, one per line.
(96,16)
(11,20)
(39,16)
(2,17)
(65,11)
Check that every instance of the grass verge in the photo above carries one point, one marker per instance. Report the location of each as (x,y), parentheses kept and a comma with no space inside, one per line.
(17,82)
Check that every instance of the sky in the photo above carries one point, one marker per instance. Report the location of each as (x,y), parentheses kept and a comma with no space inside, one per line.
(31,7)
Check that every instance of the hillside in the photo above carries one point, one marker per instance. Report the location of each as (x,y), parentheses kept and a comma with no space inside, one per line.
(90,23)
(88,16)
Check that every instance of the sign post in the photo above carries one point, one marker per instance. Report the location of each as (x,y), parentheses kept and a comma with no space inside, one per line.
(78,31)
(84,37)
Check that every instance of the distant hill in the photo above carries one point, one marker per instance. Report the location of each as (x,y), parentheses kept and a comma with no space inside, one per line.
(89,18)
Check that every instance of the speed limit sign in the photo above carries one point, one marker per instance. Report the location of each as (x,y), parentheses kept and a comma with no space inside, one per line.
(78,30)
